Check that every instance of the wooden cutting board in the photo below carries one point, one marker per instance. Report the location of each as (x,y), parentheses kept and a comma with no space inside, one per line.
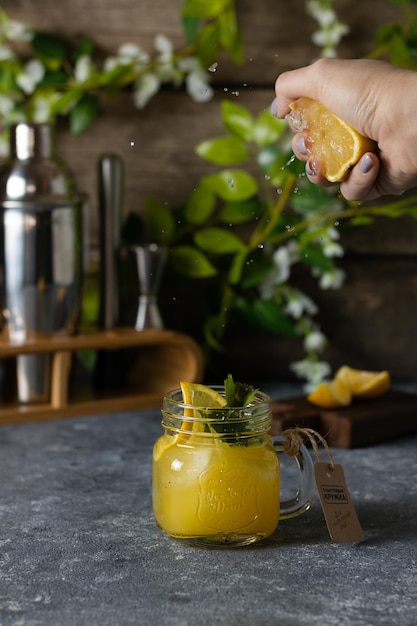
(362,423)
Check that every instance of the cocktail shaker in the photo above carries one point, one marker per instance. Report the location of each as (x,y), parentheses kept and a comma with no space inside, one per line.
(40,251)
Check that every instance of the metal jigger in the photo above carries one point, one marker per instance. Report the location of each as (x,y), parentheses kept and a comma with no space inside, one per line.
(149,264)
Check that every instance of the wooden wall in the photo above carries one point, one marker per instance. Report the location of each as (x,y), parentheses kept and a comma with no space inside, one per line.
(371,322)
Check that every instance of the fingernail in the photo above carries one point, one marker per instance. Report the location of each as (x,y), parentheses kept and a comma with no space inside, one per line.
(311,168)
(301,146)
(366,164)
(274,107)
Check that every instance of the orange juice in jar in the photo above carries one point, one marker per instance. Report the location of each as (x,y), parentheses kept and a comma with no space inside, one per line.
(216,474)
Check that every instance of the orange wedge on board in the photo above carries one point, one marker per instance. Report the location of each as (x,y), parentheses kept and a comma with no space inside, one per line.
(331,395)
(348,384)
(364,384)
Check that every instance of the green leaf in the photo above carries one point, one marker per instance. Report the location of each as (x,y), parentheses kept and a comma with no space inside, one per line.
(240,212)
(311,198)
(49,46)
(283,166)
(398,51)
(315,257)
(361,220)
(54,78)
(190,26)
(231,185)
(238,394)
(85,46)
(64,102)
(257,267)
(236,267)
(191,262)
(230,37)
(200,206)
(268,316)
(207,44)
(159,222)
(218,241)
(83,113)
(223,150)
(269,156)
(203,9)
(237,119)
(213,331)
(268,129)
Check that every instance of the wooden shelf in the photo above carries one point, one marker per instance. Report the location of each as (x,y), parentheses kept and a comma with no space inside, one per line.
(161,359)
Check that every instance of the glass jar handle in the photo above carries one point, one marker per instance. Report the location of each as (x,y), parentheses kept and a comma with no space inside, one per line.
(302,500)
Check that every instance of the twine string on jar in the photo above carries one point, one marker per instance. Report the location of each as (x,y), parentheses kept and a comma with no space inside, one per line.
(294,441)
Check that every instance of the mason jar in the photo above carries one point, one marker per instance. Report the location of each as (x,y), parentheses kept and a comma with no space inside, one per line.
(216,473)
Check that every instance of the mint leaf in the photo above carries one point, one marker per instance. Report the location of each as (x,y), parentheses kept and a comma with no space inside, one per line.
(238,394)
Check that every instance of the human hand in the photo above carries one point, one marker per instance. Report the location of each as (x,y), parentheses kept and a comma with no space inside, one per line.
(376,99)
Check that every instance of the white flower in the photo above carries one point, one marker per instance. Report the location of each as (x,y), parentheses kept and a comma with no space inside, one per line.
(332,279)
(282,258)
(165,69)
(145,88)
(83,68)
(43,107)
(298,304)
(169,73)
(16,31)
(42,110)
(197,87)
(111,63)
(197,79)
(314,371)
(6,53)
(315,341)
(164,46)
(6,105)
(330,36)
(33,73)
(189,64)
(330,30)
(324,15)
(129,52)
(333,249)
(282,264)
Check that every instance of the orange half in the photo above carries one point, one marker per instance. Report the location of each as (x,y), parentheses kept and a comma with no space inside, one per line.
(333,143)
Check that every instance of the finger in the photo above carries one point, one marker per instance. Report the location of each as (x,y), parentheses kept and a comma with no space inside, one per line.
(361,182)
(300,146)
(313,169)
(315,174)
(287,89)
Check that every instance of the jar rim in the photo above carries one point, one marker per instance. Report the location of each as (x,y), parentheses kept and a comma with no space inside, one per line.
(175,398)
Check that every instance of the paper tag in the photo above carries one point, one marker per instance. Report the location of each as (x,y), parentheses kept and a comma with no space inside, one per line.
(338,509)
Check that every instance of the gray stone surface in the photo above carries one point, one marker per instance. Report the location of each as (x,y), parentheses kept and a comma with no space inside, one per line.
(79,545)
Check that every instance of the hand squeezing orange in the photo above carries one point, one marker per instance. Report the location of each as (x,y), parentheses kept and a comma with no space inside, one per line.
(331,142)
